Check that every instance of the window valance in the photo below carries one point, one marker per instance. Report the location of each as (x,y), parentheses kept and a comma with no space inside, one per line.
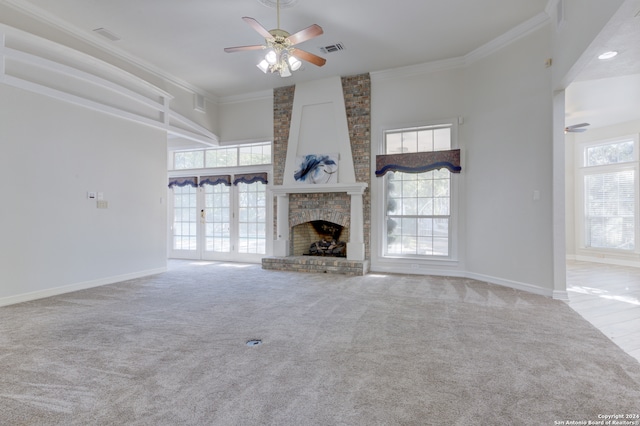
(215,180)
(418,162)
(250,178)
(183,181)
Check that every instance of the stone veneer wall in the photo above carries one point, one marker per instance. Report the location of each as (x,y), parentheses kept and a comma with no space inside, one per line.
(357,97)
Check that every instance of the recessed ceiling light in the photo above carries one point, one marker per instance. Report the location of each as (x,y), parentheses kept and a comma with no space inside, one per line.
(608,55)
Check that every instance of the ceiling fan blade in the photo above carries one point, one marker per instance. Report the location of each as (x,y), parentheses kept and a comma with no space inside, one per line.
(256,26)
(243,48)
(305,34)
(578,125)
(309,57)
(576,128)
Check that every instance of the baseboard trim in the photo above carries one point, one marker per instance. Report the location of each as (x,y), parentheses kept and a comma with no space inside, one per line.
(41,294)
(608,261)
(529,288)
(561,295)
(424,270)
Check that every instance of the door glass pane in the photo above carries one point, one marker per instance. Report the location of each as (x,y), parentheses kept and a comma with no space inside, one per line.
(251,218)
(184,218)
(218,226)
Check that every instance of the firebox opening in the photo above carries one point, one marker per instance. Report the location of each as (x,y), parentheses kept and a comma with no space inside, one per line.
(319,238)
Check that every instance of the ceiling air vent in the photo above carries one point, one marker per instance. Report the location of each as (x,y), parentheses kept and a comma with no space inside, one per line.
(332,48)
(107,34)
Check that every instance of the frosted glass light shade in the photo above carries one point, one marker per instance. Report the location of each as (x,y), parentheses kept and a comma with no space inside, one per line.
(271,57)
(285,72)
(263,65)
(294,63)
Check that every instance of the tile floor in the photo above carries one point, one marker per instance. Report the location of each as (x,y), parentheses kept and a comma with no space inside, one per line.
(608,296)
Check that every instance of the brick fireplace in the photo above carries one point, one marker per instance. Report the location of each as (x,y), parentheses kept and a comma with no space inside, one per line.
(331,115)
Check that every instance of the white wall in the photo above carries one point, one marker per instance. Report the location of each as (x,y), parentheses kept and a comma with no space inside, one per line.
(248,120)
(505,101)
(183,103)
(508,143)
(54,238)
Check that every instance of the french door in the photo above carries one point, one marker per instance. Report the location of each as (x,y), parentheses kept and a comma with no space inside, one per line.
(218,222)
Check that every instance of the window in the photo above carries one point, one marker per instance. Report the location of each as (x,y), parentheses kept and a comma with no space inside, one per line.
(610,194)
(252,235)
(254,154)
(418,205)
(221,157)
(217,218)
(188,160)
(184,218)
(231,156)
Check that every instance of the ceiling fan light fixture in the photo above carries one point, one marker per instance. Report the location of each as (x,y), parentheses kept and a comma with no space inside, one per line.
(279,59)
(263,66)
(271,57)
(294,63)
(285,71)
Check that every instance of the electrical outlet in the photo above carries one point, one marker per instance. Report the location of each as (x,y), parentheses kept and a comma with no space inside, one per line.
(102,204)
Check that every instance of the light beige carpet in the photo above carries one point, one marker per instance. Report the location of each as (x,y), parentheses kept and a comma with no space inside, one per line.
(374,350)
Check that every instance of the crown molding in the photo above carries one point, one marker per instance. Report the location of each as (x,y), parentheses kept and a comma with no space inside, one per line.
(508,38)
(41,15)
(419,69)
(493,46)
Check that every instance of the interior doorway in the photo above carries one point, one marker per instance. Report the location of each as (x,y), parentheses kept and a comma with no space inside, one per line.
(603,280)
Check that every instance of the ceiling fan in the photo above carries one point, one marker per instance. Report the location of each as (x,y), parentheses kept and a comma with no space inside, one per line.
(282,57)
(576,128)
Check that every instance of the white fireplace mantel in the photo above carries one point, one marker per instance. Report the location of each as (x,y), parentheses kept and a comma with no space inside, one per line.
(357,188)
(355,247)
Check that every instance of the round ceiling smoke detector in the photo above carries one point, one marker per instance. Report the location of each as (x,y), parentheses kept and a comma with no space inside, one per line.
(284,4)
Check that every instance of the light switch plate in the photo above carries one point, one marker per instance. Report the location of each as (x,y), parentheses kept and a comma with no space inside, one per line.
(102,204)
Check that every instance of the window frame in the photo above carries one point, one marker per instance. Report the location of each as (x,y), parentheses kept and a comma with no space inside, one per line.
(238,148)
(453,243)
(582,170)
